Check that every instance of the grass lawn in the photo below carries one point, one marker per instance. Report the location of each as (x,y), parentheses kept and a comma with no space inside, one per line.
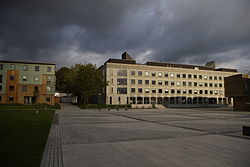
(23,135)
(29,107)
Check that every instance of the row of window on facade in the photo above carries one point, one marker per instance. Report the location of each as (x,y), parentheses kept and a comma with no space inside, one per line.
(171,75)
(11,99)
(167,91)
(172,100)
(26,67)
(123,81)
(25,78)
(25,88)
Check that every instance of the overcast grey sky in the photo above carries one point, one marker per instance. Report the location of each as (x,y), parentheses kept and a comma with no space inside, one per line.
(76,31)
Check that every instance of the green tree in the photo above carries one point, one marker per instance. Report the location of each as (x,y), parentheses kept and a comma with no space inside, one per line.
(62,79)
(83,80)
(88,81)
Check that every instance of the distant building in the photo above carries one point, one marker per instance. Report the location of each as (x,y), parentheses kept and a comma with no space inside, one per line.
(164,83)
(238,88)
(27,82)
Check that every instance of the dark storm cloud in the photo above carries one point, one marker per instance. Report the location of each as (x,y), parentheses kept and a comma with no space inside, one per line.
(73,31)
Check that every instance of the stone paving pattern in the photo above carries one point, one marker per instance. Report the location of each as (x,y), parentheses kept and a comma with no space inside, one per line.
(148,138)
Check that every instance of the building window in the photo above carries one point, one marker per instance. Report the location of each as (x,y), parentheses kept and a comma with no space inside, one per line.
(172,83)
(195,83)
(37,68)
(178,75)
(184,83)
(12,88)
(121,90)
(211,92)
(1,78)
(1,66)
(200,84)
(122,73)
(220,85)
(184,91)
(159,74)
(178,83)
(48,69)
(205,84)
(216,85)
(1,87)
(159,90)
(47,99)
(146,73)
(190,91)
(166,90)
(36,78)
(153,82)
(153,90)
(206,92)
(216,92)
(221,92)
(160,82)
(200,76)
(147,82)
(166,82)
(201,92)
(139,73)
(220,78)
(166,75)
(153,74)
(48,88)
(183,75)
(49,80)
(12,67)
(195,92)
(172,75)
(146,90)
(215,77)
(139,81)
(132,73)
(0,98)
(25,68)
(11,98)
(195,76)
(210,77)
(121,81)
(132,81)
(172,91)
(140,90)
(24,88)
(178,91)
(205,76)
(132,90)
(12,77)
(210,84)
(24,78)
(189,83)
(189,76)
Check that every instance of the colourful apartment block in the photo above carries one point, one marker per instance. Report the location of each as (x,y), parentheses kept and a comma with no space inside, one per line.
(27,82)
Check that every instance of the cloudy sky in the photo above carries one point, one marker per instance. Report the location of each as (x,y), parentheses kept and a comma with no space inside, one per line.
(76,31)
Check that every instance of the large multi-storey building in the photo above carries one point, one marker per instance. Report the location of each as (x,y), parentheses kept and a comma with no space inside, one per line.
(163,83)
(27,82)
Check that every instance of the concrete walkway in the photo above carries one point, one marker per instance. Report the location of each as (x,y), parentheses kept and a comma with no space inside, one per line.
(69,107)
(147,138)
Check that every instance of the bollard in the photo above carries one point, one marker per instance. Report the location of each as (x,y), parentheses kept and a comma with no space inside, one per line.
(246,130)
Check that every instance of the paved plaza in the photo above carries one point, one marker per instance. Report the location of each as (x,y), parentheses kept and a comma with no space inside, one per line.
(147,138)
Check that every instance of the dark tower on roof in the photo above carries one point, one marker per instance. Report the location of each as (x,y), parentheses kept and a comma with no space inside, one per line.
(210,64)
(126,56)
